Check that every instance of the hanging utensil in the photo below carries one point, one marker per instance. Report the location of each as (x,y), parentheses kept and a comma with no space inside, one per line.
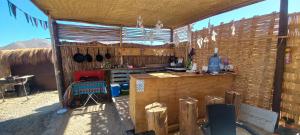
(107,55)
(78,57)
(88,57)
(99,57)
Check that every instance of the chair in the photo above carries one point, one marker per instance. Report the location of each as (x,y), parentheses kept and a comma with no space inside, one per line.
(2,91)
(222,120)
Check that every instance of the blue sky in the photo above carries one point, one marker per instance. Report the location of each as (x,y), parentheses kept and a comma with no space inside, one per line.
(12,29)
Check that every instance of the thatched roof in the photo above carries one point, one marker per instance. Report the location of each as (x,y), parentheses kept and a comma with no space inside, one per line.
(25,56)
(173,13)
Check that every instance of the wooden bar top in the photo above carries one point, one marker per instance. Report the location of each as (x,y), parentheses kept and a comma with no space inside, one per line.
(175,74)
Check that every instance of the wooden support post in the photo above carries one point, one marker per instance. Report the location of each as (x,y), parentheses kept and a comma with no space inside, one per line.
(234,98)
(107,79)
(56,52)
(157,118)
(171,35)
(281,45)
(189,44)
(188,116)
(121,44)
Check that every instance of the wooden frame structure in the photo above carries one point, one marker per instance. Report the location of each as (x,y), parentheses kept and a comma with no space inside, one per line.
(280,62)
(278,78)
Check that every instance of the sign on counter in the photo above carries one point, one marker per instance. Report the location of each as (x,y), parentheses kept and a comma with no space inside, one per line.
(140,85)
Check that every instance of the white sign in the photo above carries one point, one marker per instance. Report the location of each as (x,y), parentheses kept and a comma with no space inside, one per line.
(140,85)
(259,117)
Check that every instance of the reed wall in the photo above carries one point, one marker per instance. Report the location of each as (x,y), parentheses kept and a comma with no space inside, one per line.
(252,51)
(291,86)
(132,54)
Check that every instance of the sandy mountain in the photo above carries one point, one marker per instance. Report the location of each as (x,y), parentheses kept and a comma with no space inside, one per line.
(33,43)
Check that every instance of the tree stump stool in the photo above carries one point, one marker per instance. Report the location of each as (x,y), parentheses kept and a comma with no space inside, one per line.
(188,116)
(157,118)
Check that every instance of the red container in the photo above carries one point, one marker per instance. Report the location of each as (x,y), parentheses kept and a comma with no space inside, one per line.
(100,74)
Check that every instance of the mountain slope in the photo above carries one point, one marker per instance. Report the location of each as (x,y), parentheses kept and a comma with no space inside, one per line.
(33,43)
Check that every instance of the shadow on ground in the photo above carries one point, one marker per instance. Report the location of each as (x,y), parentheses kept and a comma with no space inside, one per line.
(33,124)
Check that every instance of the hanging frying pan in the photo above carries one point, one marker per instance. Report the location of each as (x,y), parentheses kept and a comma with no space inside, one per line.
(88,57)
(107,55)
(99,57)
(78,57)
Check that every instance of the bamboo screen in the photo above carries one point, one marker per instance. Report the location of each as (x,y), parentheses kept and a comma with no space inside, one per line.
(291,84)
(110,34)
(252,51)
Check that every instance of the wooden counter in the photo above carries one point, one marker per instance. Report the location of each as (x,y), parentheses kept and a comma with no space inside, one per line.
(168,88)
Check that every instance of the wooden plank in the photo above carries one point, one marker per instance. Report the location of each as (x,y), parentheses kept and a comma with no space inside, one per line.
(281,45)
(58,69)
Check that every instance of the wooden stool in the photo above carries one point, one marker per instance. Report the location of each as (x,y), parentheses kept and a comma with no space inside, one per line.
(234,98)
(157,118)
(212,100)
(188,115)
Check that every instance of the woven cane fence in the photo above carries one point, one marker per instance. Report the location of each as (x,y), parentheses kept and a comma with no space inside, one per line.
(290,106)
(252,51)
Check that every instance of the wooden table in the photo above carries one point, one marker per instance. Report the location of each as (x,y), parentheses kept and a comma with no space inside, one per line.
(16,80)
(168,88)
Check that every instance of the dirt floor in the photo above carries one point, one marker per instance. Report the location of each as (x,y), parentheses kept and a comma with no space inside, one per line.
(37,116)
(21,116)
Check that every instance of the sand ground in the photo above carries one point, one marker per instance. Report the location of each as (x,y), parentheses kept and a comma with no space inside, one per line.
(37,116)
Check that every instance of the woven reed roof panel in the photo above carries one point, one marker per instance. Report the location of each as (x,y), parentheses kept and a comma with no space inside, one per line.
(173,13)
(25,56)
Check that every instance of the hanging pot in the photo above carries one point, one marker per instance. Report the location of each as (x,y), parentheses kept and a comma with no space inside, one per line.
(88,57)
(173,59)
(99,57)
(107,55)
(78,57)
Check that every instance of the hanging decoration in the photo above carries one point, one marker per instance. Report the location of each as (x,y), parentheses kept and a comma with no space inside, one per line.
(150,34)
(213,35)
(176,39)
(205,41)
(30,19)
(200,42)
(232,29)
(158,27)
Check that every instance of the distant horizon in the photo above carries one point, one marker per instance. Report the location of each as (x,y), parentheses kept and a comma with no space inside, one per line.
(14,30)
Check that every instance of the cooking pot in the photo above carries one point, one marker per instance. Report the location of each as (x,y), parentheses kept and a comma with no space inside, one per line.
(88,57)
(99,57)
(78,57)
(107,55)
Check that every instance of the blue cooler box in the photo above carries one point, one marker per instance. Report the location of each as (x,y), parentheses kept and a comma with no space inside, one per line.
(115,90)
(125,86)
